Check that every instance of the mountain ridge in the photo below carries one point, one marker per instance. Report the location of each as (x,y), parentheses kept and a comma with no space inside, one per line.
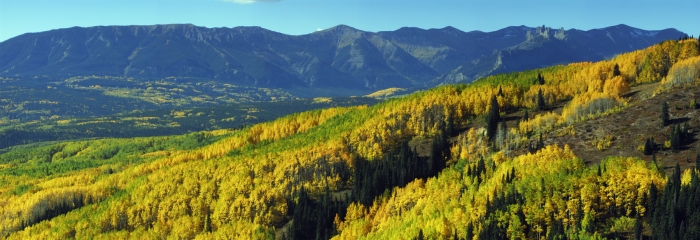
(339,57)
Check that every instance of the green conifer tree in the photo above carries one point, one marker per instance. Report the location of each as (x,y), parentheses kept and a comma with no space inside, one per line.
(541,104)
(665,117)
(470,231)
(638,228)
(526,116)
(540,79)
(648,147)
(675,138)
(492,119)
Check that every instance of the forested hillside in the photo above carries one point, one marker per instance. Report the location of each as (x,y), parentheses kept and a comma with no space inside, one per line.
(453,162)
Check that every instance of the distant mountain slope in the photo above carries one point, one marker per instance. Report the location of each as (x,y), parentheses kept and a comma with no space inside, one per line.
(543,46)
(340,57)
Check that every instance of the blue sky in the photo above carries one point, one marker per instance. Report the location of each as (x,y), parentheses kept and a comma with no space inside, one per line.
(305,16)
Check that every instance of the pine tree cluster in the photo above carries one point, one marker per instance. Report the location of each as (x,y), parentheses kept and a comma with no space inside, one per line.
(674,214)
(679,136)
(313,219)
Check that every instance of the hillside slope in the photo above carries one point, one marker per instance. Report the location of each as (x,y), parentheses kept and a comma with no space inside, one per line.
(351,173)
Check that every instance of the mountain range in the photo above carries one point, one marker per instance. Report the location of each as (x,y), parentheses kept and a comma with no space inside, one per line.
(341,57)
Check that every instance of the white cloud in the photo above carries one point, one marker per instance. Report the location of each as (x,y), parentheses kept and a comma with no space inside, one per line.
(318,29)
(250,1)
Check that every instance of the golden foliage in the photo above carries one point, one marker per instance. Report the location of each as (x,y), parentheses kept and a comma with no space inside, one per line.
(239,187)
(685,72)
(444,205)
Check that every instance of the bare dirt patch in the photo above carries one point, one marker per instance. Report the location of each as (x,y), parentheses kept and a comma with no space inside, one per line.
(630,128)
(421,146)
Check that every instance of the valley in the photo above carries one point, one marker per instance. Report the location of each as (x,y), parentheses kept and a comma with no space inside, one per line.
(121,108)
